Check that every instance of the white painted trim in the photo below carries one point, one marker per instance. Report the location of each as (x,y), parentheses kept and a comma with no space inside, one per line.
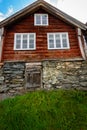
(85,43)
(40,19)
(79,32)
(21,34)
(60,48)
(80,44)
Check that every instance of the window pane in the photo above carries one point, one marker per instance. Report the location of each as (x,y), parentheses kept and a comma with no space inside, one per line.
(57,41)
(31,41)
(31,36)
(38,19)
(51,43)
(18,41)
(64,40)
(25,37)
(31,44)
(44,19)
(51,36)
(64,35)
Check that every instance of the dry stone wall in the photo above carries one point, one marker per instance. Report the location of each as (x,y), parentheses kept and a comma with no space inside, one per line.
(67,75)
(12,77)
(55,75)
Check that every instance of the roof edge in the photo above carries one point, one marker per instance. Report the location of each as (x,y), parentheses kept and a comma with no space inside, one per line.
(49,7)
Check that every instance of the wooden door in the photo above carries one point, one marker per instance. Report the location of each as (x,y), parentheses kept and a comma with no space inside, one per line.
(33,78)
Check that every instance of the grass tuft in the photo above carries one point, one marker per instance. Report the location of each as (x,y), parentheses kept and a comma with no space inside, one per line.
(45,110)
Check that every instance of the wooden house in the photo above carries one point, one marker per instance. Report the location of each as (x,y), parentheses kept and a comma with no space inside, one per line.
(41,32)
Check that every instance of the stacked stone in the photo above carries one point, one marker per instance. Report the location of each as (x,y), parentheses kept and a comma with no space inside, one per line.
(83,75)
(1,80)
(14,76)
(55,75)
(67,75)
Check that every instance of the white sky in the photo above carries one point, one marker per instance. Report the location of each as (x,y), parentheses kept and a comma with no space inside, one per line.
(75,8)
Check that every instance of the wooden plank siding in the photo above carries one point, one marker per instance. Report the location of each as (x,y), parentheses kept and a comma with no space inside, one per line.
(26,25)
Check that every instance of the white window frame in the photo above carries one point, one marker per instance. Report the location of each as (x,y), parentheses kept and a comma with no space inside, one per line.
(59,33)
(41,15)
(21,34)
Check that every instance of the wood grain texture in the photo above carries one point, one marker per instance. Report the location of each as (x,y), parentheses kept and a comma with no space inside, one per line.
(26,25)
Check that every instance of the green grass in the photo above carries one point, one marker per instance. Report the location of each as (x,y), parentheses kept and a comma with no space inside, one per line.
(45,110)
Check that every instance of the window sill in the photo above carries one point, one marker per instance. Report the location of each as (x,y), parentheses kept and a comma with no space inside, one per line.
(40,25)
(24,49)
(58,48)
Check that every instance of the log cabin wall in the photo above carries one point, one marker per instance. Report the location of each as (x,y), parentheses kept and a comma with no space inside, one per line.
(26,25)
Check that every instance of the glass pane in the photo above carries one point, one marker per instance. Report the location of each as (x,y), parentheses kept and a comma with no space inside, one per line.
(18,41)
(31,43)
(51,36)
(57,36)
(44,19)
(64,36)
(57,40)
(31,36)
(18,36)
(51,43)
(58,43)
(64,40)
(38,19)
(25,37)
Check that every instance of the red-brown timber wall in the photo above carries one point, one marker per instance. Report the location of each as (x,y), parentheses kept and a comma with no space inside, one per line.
(26,25)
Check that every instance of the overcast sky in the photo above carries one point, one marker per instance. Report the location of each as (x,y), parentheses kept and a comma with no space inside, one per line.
(75,8)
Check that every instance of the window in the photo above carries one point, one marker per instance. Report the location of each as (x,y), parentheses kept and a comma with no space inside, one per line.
(41,19)
(25,41)
(58,41)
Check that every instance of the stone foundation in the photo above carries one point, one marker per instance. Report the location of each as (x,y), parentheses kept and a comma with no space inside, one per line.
(54,75)
(12,77)
(66,75)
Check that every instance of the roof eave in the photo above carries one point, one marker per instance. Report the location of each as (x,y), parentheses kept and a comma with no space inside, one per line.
(20,13)
(65,16)
(48,7)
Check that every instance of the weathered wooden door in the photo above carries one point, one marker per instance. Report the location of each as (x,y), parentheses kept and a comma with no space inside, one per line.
(33,75)
(34,79)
